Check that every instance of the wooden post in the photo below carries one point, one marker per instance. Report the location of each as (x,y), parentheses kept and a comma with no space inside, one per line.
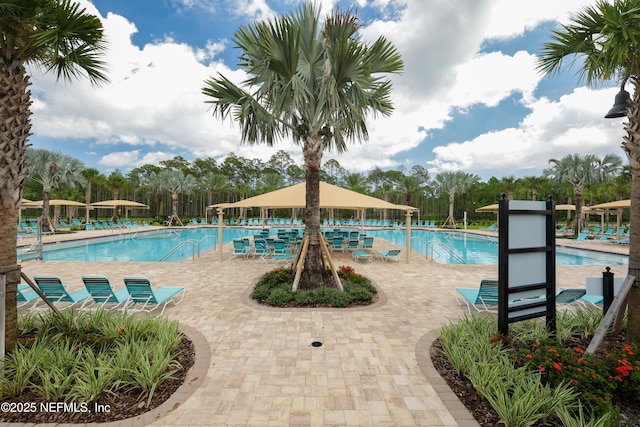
(614,310)
(336,278)
(300,262)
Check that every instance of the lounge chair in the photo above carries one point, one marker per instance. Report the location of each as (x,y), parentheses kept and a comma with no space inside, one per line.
(241,247)
(273,259)
(569,295)
(260,247)
(362,255)
(353,244)
(484,298)
(25,295)
(582,236)
(337,244)
(56,291)
(142,297)
(367,243)
(102,293)
(390,255)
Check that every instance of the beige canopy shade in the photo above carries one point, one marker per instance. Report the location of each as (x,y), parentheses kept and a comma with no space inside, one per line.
(53,202)
(566,207)
(116,203)
(331,197)
(618,204)
(488,208)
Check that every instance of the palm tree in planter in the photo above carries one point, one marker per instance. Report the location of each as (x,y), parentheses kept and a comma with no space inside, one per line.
(605,37)
(52,169)
(581,171)
(56,36)
(453,183)
(311,80)
(175,182)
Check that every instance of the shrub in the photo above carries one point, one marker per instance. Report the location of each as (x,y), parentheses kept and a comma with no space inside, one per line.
(274,288)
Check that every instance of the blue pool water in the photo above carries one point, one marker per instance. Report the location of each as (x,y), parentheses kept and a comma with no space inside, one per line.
(151,246)
(452,247)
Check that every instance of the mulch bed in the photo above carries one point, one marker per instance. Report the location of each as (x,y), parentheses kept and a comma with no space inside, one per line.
(482,410)
(122,406)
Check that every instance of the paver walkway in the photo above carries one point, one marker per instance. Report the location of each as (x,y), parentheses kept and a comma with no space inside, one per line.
(372,369)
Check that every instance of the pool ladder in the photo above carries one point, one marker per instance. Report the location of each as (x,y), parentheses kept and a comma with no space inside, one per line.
(195,244)
(431,244)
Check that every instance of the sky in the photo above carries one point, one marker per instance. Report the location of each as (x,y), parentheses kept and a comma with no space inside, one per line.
(469,98)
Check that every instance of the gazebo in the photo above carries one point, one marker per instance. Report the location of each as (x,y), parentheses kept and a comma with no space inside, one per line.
(331,197)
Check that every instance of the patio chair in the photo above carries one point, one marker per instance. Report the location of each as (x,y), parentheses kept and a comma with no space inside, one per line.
(102,293)
(362,255)
(56,292)
(25,295)
(142,297)
(352,244)
(241,247)
(337,244)
(260,247)
(367,243)
(482,299)
(390,255)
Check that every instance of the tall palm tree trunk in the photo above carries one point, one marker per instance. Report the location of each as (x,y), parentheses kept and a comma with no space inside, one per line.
(577,192)
(15,127)
(631,145)
(312,274)
(452,221)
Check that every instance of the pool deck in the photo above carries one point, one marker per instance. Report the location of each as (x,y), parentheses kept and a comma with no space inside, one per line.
(373,368)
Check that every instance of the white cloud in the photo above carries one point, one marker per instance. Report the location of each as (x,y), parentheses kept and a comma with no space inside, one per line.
(154,98)
(574,124)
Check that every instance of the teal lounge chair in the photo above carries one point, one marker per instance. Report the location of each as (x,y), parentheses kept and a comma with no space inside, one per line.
(260,247)
(56,291)
(362,255)
(102,293)
(367,243)
(25,295)
(482,299)
(569,295)
(241,247)
(390,255)
(142,297)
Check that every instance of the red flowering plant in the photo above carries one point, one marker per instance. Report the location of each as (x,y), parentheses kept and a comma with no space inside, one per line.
(346,271)
(596,377)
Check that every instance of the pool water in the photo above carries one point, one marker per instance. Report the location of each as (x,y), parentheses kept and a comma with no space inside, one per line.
(457,248)
(153,246)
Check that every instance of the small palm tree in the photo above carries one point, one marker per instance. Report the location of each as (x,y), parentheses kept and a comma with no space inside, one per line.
(581,171)
(52,169)
(116,182)
(453,183)
(311,80)
(176,183)
(91,176)
(61,38)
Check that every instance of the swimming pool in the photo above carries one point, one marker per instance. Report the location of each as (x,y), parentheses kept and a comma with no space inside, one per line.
(152,246)
(452,247)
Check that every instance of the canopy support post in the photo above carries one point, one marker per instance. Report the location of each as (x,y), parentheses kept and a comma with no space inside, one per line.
(220,219)
(408,222)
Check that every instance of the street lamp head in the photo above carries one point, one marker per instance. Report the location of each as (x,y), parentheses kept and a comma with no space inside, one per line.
(620,105)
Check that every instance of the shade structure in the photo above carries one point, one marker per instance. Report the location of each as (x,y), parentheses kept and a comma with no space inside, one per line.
(618,204)
(116,203)
(331,197)
(488,208)
(52,202)
(565,207)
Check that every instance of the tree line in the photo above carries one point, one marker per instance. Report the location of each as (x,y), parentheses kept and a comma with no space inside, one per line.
(444,197)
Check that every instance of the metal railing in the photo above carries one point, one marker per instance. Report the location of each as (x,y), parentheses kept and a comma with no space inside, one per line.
(195,246)
(193,243)
(431,248)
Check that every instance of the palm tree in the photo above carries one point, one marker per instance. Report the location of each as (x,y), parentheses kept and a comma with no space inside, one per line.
(410,185)
(52,169)
(116,182)
(533,184)
(452,183)
(58,37)
(604,35)
(91,176)
(311,80)
(580,171)
(356,181)
(216,184)
(176,183)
